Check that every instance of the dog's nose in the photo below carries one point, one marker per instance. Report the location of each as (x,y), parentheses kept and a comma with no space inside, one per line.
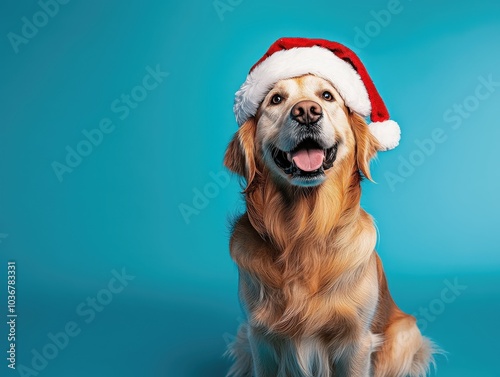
(306,112)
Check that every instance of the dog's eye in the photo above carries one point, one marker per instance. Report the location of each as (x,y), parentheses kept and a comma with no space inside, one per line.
(327,95)
(276,99)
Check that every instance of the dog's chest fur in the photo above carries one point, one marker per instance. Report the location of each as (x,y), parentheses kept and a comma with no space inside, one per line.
(319,292)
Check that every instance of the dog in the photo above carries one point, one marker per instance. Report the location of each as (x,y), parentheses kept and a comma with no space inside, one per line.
(311,284)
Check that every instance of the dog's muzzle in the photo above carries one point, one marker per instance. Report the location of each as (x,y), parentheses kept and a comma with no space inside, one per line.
(308,160)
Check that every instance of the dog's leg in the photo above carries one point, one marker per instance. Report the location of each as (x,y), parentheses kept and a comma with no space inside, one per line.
(356,359)
(405,352)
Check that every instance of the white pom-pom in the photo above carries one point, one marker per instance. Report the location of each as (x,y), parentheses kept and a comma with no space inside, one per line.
(387,133)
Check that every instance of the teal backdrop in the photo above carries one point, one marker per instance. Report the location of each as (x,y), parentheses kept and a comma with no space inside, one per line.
(114,202)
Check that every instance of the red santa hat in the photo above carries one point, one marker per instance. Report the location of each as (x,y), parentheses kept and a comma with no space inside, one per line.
(332,61)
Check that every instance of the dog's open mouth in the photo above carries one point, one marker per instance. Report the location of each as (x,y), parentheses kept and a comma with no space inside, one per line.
(308,160)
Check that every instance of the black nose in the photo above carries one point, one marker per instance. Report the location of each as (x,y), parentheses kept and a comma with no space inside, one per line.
(306,112)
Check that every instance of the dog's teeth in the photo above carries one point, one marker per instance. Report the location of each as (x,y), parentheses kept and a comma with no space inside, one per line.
(289,156)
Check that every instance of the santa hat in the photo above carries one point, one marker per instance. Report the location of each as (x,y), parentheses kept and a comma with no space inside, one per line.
(293,57)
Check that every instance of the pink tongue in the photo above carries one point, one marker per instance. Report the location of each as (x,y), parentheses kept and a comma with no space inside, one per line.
(308,159)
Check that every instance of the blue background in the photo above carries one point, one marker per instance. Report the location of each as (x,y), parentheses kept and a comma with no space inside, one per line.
(119,208)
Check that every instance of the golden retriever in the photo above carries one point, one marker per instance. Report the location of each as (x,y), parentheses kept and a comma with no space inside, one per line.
(311,284)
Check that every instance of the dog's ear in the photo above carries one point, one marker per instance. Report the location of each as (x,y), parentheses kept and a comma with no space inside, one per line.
(366,144)
(240,153)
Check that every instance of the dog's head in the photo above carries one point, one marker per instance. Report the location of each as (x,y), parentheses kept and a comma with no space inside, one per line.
(302,133)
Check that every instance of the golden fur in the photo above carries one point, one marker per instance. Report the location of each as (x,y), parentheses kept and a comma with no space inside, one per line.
(311,284)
